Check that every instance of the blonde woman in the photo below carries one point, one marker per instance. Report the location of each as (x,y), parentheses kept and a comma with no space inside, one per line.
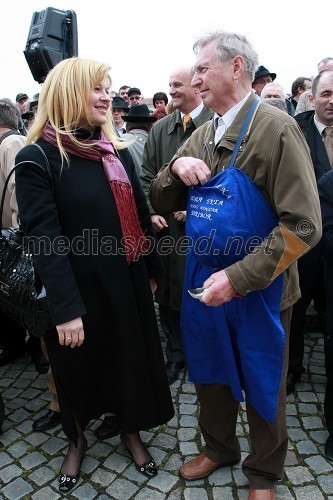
(92,240)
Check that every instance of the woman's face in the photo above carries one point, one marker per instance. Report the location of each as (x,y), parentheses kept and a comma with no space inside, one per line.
(99,104)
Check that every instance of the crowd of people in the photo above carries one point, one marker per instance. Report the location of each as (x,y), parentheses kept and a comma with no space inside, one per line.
(229,157)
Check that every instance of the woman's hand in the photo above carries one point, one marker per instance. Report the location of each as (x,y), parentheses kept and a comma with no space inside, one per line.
(71,333)
(153,285)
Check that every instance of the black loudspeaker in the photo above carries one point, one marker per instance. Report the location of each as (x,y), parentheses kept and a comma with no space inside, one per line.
(52,38)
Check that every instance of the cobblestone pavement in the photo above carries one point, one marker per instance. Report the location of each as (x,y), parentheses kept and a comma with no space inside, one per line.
(29,461)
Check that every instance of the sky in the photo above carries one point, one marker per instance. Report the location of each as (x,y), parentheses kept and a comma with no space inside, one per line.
(143,41)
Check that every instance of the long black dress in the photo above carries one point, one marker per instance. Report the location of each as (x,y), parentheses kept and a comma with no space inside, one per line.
(119,367)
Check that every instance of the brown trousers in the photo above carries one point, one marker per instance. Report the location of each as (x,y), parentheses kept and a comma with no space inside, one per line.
(264,465)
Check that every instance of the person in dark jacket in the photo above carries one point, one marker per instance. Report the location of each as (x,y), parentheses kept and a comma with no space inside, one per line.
(163,141)
(90,238)
(325,189)
(310,267)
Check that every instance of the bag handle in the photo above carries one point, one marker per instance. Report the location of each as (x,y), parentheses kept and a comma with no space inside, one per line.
(48,171)
(246,122)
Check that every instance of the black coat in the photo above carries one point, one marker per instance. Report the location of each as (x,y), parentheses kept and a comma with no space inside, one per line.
(315,142)
(119,367)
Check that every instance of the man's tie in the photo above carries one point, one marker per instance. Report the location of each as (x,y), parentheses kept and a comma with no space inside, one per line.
(186,119)
(328,140)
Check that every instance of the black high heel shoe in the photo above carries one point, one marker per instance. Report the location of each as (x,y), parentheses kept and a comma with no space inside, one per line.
(67,483)
(148,469)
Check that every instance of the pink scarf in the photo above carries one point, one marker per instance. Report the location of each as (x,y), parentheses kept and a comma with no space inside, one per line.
(102,150)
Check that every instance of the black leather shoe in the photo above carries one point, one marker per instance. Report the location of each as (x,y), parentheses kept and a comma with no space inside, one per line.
(48,421)
(8,355)
(41,363)
(148,469)
(292,379)
(173,371)
(329,449)
(111,426)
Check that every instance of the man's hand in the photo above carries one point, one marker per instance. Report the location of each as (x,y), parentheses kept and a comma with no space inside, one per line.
(191,170)
(220,289)
(180,215)
(71,333)
(158,222)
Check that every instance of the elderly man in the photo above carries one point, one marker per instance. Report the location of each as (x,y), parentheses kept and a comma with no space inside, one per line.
(232,343)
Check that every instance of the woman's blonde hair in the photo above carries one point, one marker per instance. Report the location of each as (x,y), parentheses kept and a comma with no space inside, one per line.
(64,102)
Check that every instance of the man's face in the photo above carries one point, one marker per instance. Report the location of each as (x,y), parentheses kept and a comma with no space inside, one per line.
(124,94)
(214,79)
(117,114)
(180,90)
(135,98)
(323,101)
(260,83)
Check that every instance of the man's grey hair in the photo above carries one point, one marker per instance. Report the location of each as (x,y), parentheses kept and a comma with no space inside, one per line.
(8,114)
(325,61)
(277,103)
(228,46)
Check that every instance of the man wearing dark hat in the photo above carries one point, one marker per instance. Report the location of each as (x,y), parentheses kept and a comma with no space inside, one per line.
(21,99)
(261,77)
(139,122)
(119,108)
(134,96)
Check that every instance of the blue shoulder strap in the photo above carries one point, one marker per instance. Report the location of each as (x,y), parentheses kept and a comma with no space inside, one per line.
(243,130)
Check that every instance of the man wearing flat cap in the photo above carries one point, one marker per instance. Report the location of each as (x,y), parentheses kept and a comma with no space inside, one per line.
(261,77)
(21,99)
(134,95)
(138,124)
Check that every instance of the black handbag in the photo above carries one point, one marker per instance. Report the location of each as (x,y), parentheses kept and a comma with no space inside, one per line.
(22,295)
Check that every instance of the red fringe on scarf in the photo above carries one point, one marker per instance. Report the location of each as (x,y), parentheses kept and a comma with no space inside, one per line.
(135,242)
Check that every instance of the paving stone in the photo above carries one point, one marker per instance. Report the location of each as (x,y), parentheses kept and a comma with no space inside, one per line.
(188,448)
(85,491)
(319,464)
(312,423)
(185,409)
(42,475)
(10,472)
(188,421)
(186,434)
(223,493)
(53,445)
(296,434)
(165,441)
(103,477)
(195,494)
(187,398)
(306,447)
(308,493)
(46,494)
(319,436)
(17,489)
(307,397)
(121,489)
(164,481)
(149,494)
(220,477)
(310,409)
(298,475)
(325,481)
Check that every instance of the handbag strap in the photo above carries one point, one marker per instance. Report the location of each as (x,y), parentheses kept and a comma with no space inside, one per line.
(7,134)
(246,122)
(47,170)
